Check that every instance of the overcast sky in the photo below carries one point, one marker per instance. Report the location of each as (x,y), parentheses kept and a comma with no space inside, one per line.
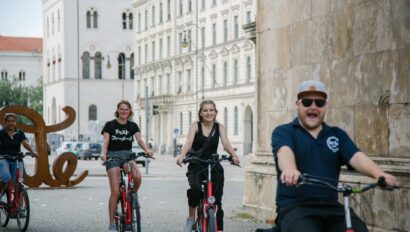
(21,18)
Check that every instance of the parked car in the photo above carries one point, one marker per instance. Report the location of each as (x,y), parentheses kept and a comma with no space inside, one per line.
(90,151)
(65,147)
(137,149)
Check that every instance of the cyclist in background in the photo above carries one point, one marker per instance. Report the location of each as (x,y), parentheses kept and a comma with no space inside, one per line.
(118,136)
(197,136)
(11,139)
(308,145)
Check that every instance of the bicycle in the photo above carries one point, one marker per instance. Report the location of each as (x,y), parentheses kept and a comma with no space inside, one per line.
(205,220)
(347,190)
(127,215)
(11,206)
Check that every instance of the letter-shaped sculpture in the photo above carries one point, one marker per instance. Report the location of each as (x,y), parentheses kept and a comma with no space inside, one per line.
(41,168)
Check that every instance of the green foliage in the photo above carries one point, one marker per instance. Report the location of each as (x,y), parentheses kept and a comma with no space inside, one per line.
(12,93)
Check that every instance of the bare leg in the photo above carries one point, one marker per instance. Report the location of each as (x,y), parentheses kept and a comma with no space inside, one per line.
(113,178)
(136,174)
(192,212)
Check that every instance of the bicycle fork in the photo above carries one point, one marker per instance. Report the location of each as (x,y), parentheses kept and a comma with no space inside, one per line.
(348,219)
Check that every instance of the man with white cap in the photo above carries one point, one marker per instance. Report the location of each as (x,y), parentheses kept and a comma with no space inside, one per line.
(309,145)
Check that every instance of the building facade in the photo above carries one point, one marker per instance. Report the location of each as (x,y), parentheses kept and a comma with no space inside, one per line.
(361,51)
(21,59)
(87,62)
(187,51)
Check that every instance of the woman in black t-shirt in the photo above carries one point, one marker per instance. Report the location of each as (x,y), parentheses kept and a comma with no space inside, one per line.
(197,137)
(118,136)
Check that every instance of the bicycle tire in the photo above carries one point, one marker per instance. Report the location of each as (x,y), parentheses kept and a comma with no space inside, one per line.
(211,220)
(135,213)
(4,209)
(119,216)
(23,222)
(198,218)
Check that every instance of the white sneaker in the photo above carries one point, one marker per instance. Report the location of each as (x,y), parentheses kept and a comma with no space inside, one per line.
(112,228)
(188,224)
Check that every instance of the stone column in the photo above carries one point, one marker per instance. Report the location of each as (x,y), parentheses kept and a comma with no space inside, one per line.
(361,51)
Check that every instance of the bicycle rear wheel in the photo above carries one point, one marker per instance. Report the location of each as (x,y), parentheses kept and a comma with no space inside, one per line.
(135,213)
(23,212)
(211,220)
(4,209)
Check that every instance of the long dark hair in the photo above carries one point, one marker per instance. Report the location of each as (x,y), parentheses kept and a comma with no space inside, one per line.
(201,106)
(116,114)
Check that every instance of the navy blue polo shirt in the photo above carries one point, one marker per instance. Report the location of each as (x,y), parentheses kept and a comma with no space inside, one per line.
(322,157)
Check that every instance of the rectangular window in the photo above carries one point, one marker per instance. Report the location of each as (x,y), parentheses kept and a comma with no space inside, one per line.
(248,16)
(235,71)
(169,10)
(139,54)
(180,8)
(160,48)
(214,34)
(168,86)
(139,22)
(225,30)
(188,80)
(203,36)
(160,85)
(160,13)
(203,5)
(146,19)
(152,87)
(153,17)
(189,41)
(236,27)
(179,80)
(180,43)
(189,6)
(213,2)
(146,54)
(168,46)
(153,51)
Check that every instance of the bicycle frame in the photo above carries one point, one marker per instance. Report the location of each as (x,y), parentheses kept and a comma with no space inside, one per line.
(13,193)
(126,190)
(208,201)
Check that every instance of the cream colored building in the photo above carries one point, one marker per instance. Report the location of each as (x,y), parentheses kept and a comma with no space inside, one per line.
(217,64)
(79,36)
(361,51)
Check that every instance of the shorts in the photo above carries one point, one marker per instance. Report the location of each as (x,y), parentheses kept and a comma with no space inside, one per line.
(123,155)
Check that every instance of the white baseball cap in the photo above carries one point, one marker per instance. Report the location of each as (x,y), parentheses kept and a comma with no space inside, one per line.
(312,86)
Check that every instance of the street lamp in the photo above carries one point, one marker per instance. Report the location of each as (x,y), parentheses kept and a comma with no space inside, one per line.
(121,59)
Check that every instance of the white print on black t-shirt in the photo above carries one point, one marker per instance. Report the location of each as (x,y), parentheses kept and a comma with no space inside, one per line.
(121,135)
(333,143)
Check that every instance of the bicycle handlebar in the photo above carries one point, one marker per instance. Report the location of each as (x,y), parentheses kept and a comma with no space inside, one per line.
(306,179)
(18,157)
(213,160)
(131,156)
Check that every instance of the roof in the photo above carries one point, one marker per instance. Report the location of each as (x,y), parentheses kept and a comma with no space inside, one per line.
(21,44)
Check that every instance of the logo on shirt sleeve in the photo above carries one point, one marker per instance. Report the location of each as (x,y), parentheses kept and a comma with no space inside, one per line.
(333,143)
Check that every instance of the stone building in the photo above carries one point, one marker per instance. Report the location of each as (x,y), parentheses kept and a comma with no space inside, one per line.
(361,51)
(21,59)
(88,62)
(217,62)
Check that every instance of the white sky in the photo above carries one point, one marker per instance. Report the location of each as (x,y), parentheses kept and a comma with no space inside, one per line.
(21,18)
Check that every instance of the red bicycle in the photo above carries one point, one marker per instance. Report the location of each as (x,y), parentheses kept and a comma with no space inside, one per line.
(205,220)
(345,189)
(127,215)
(11,205)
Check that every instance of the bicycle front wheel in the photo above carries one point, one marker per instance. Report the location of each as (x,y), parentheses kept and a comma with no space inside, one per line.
(211,220)
(4,209)
(135,213)
(23,212)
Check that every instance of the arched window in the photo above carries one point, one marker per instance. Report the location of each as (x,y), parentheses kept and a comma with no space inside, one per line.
(92,113)
(58,20)
(190,117)
(225,72)
(97,65)
(48,27)
(248,69)
(3,75)
(124,21)
(130,21)
(235,118)
(132,61)
(86,65)
(95,19)
(22,76)
(88,19)
(52,24)
(226,118)
(121,66)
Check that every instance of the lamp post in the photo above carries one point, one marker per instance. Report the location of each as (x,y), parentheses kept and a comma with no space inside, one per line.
(185,44)
(121,59)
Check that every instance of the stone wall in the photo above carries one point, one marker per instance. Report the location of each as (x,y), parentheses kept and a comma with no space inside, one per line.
(361,51)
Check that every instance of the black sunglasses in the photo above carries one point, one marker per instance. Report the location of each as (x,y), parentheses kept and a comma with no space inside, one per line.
(306,102)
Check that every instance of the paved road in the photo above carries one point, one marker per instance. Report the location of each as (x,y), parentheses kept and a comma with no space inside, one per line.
(162,196)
